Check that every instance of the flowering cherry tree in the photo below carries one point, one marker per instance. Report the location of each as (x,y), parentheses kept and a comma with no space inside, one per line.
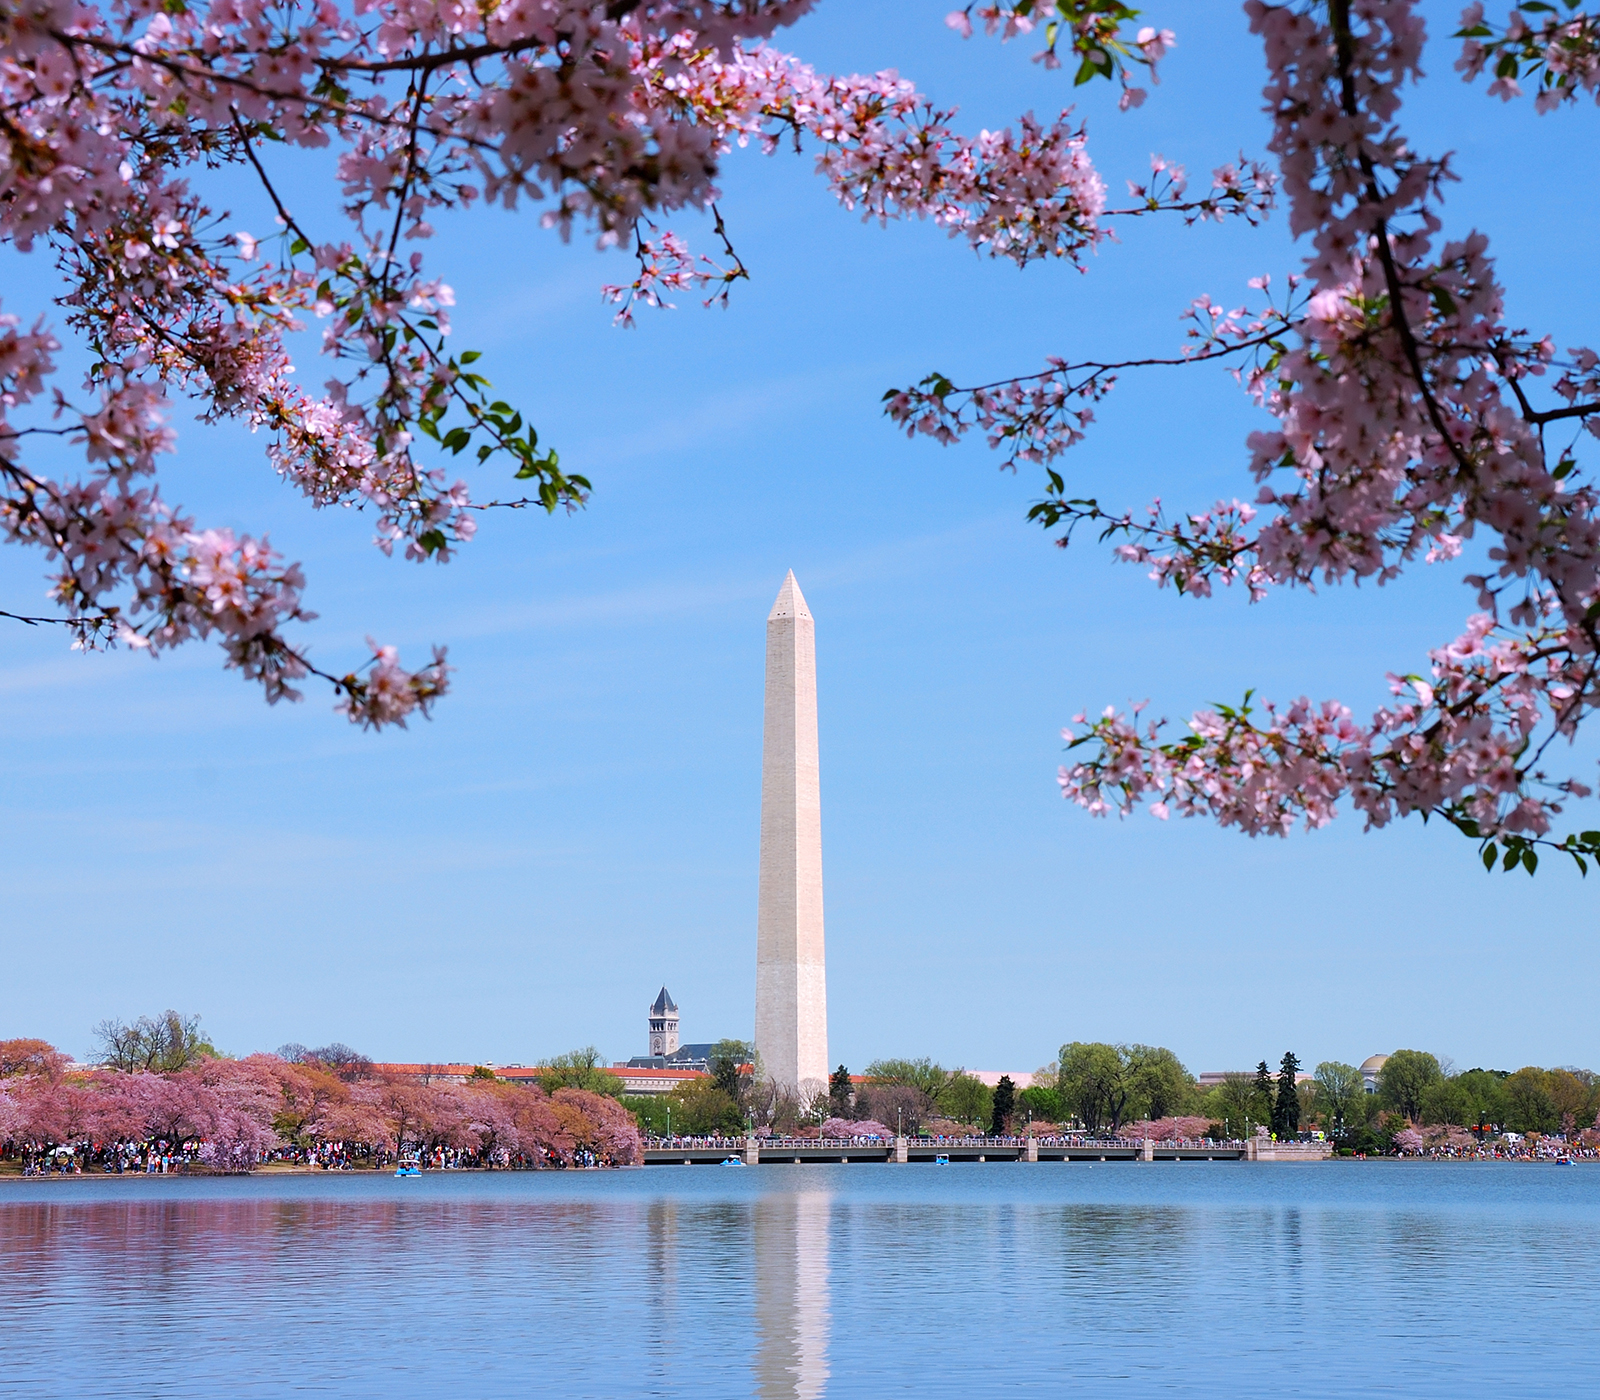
(1404,418)
(604,113)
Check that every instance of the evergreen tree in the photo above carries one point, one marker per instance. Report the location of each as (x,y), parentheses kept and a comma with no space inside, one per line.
(727,1063)
(841,1094)
(1005,1100)
(1262,1092)
(1286,1110)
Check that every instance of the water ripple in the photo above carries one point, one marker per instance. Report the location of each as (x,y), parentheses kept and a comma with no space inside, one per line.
(803,1282)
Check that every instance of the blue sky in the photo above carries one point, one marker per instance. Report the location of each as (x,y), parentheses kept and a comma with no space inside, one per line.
(579,823)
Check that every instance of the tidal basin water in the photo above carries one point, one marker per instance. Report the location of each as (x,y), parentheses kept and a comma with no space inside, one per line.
(1456,1279)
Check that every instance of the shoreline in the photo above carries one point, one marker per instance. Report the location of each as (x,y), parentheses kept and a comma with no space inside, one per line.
(364,1172)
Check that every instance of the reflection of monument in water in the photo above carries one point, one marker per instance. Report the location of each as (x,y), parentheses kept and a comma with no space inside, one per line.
(791,976)
(695,1249)
(792,1314)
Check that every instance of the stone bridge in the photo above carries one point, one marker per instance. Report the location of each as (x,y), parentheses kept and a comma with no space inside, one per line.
(753,1151)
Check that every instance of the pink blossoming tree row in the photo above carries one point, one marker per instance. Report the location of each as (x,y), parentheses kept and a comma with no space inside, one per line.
(233,1114)
(1403,417)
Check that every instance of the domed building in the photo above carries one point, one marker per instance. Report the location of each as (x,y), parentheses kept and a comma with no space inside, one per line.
(1369,1071)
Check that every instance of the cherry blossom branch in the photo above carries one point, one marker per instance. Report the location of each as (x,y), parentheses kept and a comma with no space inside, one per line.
(1245,190)
(1097,36)
(1031,416)
(1561,54)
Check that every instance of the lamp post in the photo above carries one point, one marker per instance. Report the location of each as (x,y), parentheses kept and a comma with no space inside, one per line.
(669,1122)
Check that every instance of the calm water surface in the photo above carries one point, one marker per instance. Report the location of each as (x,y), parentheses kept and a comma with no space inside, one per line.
(1455,1279)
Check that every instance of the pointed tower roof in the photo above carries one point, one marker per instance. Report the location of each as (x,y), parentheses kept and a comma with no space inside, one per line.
(663,1004)
(791,601)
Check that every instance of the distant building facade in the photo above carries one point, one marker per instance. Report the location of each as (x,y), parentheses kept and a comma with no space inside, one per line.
(1209,1079)
(697,1057)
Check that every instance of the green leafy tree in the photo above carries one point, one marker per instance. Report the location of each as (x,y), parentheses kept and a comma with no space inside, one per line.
(1238,1104)
(1530,1106)
(1571,1096)
(1444,1102)
(1286,1105)
(700,1108)
(160,1044)
(1484,1107)
(1005,1100)
(1108,1085)
(1405,1077)
(580,1069)
(1375,1137)
(1043,1103)
(966,1098)
(1161,1086)
(650,1113)
(841,1093)
(1093,1083)
(726,1064)
(1340,1091)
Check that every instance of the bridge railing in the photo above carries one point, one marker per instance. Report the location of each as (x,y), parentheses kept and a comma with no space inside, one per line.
(727,1144)
(731,1144)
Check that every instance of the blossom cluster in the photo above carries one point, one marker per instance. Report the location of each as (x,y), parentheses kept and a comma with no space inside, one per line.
(607,115)
(887,151)
(1097,31)
(234,1113)
(1561,53)
(1035,418)
(1405,424)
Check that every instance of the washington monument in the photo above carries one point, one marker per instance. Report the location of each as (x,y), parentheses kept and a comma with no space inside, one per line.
(791,977)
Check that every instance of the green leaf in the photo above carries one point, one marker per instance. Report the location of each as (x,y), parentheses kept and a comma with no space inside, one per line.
(431,540)
(1530,862)
(1511,859)
(1563,468)
(1489,853)
(469,356)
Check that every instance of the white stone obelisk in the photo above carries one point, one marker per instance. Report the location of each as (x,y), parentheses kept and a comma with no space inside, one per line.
(791,976)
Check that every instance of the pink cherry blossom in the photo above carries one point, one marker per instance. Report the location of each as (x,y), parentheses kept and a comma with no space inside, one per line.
(1404,419)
